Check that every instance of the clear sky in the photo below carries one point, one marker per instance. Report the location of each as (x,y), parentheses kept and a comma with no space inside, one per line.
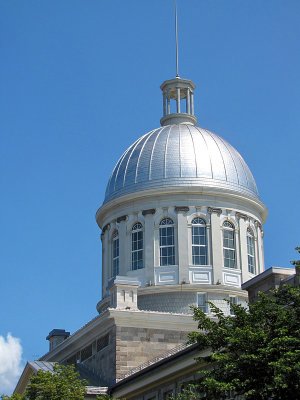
(79,83)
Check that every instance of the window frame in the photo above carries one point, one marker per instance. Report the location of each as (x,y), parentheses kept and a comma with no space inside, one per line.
(165,225)
(232,300)
(199,246)
(229,227)
(137,230)
(251,257)
(203,307)
(115,259)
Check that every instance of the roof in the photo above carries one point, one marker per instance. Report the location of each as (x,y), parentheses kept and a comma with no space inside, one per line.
(41,365)
(180,155)
(265,274)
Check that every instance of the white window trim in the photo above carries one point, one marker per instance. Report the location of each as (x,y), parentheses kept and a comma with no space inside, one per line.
(234,248)
(205,306)
(204,225)
(165,246)
(139,229)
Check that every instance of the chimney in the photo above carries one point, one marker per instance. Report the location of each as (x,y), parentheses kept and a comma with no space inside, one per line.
(56,337)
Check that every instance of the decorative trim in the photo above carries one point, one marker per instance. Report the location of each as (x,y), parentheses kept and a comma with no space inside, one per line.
(149,211)
(258,224)
(123,218)
(211,210)
(241,215)
(105,228)
(182,209)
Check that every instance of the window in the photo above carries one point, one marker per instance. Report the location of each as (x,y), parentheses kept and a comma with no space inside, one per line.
(137,246)
(166,242)
(115,253)
(102,342)
(232,301)
(251,251)
(199,242)
(229,245)
(86,353)
(168,395)
(202,302)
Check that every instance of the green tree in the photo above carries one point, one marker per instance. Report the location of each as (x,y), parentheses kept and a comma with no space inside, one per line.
(255,354)
(13,397)
(63,384)
(296,262)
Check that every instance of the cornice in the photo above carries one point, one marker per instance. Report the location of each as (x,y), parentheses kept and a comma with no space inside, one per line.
(225,194)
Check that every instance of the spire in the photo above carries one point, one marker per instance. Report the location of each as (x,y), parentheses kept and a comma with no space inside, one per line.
(178,94)
(176,40)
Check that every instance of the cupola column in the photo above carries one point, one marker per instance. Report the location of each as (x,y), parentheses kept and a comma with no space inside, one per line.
(176,90)
(178,100)
(165,104)
(188,101)
(168,103)
(192,103)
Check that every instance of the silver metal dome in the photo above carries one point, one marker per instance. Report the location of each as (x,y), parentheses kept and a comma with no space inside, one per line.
(180,155)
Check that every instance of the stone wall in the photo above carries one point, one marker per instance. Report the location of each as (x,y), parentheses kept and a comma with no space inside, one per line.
(103,363)
(135,346)
(168,302)
(181,302)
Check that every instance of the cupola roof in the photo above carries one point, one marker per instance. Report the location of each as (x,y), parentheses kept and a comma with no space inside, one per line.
(180,155)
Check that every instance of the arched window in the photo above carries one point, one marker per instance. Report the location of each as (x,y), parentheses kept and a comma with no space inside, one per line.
(137,246)
(115,253)
(251,251)
(166,242)
(229,245)
(199,242)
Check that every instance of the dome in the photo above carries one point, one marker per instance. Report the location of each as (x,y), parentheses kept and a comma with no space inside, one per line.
(180,155)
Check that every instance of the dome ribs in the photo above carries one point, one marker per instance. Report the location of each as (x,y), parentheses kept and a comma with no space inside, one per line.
(156,162)
(173,154)
(142,155)
(180,155)
(188,161)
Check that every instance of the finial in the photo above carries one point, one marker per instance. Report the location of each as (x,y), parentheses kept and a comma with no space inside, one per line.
(176,39)
(178,94)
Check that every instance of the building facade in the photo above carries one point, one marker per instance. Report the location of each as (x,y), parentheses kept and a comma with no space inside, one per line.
(181,226)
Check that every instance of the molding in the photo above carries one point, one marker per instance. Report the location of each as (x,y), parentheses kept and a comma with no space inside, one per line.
(193,287)
(259,225)
(150,211)
(105,228)
(122,218)
(182,209)
(240,215)
(212,194)
(211,210)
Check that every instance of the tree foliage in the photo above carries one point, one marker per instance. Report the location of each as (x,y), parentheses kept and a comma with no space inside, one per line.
(296,262)
(255,354)
(64,383)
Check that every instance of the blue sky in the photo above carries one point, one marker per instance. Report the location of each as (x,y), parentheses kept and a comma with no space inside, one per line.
(80,82)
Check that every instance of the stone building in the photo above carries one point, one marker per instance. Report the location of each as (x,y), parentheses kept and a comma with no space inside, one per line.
(181,225)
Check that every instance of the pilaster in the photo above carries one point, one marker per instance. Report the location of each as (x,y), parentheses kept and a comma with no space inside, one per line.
(244,250)
(122,243)
(149,244)
(217,245)
(260,248)
(105,260)
(182,234)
